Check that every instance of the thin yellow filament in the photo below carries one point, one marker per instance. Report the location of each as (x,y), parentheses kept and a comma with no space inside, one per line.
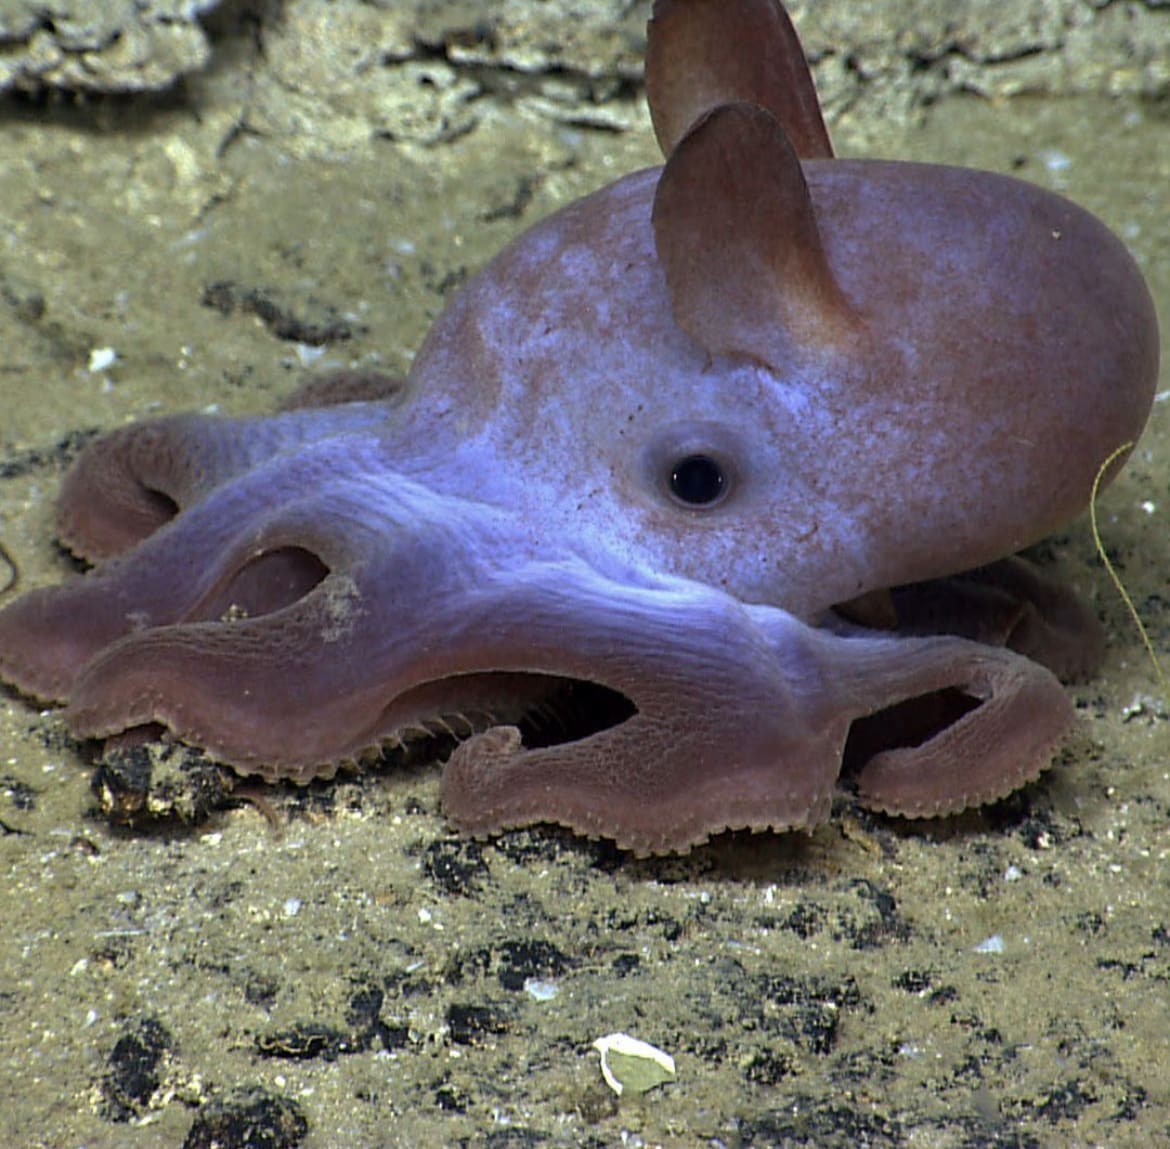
(1115,577)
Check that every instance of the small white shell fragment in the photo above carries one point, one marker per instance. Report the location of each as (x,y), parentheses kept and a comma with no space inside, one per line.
(540,989)
(627,1063)
(307,354)
(101,359)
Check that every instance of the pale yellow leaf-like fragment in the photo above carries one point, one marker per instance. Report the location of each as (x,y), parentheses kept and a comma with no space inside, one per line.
(627,1063)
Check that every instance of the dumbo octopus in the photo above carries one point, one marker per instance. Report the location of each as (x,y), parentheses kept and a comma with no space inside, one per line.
(703,494)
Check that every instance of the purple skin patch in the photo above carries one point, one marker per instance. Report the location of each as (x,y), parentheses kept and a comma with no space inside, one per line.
(718,467)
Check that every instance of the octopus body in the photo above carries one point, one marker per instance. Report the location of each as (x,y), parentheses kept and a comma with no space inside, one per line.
(725,466)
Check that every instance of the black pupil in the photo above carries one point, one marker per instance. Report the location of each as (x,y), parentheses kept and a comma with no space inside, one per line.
(697,480)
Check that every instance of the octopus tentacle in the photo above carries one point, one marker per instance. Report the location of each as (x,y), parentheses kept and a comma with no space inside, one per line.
(134,480)
(230,551)
(943,723)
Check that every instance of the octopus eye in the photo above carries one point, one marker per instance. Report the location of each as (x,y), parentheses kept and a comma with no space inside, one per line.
(698,480)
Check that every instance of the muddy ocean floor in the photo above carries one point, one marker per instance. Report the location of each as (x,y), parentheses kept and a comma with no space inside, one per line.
(333,967)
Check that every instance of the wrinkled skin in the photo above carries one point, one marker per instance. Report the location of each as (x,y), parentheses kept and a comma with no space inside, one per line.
(712,469)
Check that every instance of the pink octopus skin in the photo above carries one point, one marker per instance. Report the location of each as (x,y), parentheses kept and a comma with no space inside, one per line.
(723,466)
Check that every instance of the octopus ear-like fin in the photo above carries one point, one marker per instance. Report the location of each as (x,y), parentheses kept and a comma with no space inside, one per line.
(737,237)
(702,53)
